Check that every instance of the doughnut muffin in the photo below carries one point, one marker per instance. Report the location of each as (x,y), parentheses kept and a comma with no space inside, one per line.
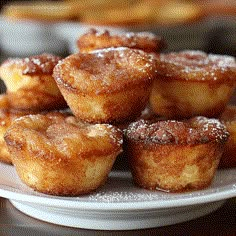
(95,39)
(228,118)
(192,83)
(7,117)
(106,85)
(62,156)
(30,85)
(175,155)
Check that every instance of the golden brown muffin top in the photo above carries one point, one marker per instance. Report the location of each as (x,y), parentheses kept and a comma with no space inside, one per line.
(95,39)
(196,65)
(197,130)
(64,136)
(7,116)
(105,70)
(34,65)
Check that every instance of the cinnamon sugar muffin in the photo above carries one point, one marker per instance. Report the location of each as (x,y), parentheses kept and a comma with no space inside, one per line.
(228,118)
(175,155)
(62,156)
(7,117)
(191,83)
(106,85)
(29,83)
(95,39)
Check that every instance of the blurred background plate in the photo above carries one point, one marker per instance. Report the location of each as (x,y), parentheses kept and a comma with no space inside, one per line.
(24,38)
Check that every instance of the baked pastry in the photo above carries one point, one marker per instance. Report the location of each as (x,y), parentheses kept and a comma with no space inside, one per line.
(191,83)
(136,13)
(105,86)
(95,39)
(40,10)
(175,155)
(7,117)
(228,118)
(30,85)
(62,156)
(144,14)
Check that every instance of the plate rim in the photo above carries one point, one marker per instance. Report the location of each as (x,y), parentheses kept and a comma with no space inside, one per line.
(70,202)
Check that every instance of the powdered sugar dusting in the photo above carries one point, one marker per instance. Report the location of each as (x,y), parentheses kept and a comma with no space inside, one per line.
(110,197)
(194,131)
(196,65)
(106,70)
(95,39)
(39,64)
(120,189)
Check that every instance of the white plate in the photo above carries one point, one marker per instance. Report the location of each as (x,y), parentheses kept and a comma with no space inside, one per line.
(118,205)
(24,38)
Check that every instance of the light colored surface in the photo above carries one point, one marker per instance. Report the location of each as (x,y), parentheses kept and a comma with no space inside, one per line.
(118,204)
(24,38)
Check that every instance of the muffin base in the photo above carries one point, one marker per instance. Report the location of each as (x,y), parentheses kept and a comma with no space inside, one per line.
(184,99)
(108,108)
(65,177)
(174,168)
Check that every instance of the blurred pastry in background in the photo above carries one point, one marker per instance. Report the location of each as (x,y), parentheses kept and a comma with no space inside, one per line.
(56,10)
(38,10)
(190,83)
(145,13)
(228,159)
(218,7)
(95,39)
(30,85)
(106,12)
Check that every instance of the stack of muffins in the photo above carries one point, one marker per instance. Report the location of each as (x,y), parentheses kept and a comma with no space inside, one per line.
(166,112)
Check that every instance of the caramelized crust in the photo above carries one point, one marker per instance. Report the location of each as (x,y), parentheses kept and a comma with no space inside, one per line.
(95,39)
(34,65)
(228,117)
(196,65)
(192,83)
(62,156)
(105,85)
(198,130)
(105,70)
(7,117)
(175,155)
(30,85)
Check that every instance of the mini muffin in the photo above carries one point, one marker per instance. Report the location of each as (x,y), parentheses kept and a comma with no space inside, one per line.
(95,39)
(30,85)
(192,83)
(228,117)
(106,85)
(7,117)
(175,155)
(62,156)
